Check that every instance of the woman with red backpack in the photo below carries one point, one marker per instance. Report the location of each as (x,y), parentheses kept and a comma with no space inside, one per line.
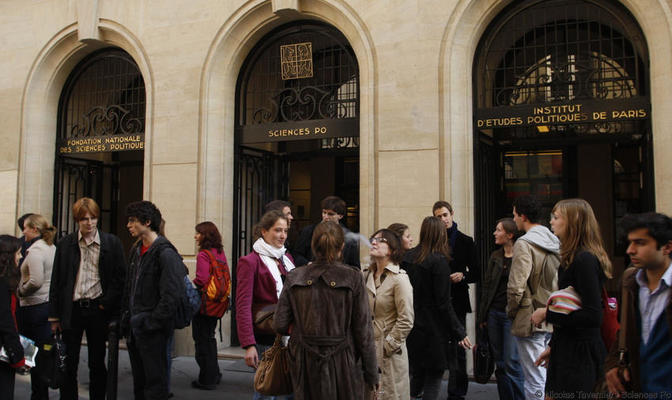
(210,258)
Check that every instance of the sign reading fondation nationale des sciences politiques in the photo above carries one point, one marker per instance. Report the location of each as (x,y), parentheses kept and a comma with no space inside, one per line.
(589,111)
(102,144)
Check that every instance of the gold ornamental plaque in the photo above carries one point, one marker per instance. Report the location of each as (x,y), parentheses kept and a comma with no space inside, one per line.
(296,60)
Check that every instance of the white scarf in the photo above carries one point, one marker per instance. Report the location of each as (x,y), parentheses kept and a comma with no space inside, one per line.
(269,255)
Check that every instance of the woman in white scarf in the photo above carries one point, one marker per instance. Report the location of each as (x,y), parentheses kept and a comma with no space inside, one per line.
(259,280)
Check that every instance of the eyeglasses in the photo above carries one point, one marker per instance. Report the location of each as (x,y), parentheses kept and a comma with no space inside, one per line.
(374,240)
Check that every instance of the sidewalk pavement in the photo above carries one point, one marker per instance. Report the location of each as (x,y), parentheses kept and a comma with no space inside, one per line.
(237,380)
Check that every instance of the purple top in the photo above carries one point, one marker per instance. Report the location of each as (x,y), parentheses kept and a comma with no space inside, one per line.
(203,266)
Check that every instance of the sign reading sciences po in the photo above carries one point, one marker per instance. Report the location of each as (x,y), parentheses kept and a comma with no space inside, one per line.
(299,130)
(588,111)
(102,144)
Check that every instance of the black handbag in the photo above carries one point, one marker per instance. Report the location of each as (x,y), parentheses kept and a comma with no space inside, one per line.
(50,362)
(484,364)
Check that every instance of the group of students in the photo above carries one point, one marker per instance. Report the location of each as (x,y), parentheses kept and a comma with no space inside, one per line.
(542,301)
(84,282)
(388,330)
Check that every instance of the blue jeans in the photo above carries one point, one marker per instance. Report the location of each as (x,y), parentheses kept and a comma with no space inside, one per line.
(509,373)
(261,348)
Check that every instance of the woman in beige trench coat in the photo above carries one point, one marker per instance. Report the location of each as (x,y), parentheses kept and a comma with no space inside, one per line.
(391,302)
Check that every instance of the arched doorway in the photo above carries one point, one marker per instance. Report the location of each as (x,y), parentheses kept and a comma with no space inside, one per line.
(297,126)
(100,143)
(562,110)
(297,129)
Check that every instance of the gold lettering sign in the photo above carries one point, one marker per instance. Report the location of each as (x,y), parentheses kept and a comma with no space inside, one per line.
(296,60)
(101,144)
(555,114)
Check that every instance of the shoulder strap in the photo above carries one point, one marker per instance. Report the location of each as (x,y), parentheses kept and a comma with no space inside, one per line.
(624,317)
(213,260)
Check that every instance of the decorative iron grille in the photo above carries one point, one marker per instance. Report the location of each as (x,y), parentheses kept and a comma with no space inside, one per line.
(104,95)
(558,51)
(331,92)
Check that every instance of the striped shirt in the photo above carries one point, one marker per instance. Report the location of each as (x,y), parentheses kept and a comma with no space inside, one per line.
(87,284)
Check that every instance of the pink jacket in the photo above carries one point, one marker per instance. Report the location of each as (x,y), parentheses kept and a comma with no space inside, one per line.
(254,285)
(203,266)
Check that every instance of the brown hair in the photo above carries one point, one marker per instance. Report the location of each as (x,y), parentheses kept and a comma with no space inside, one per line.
(210,236)
(84,205)
(440,204)
(398,228)
(9,271)
(509,226)
(327,242)
(582,233)
(433,239)
(47,231)
(266,222)
(334,203)
(393,242)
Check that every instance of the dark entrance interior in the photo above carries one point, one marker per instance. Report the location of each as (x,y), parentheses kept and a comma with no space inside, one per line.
(297,129)
(104,97)
(555,53)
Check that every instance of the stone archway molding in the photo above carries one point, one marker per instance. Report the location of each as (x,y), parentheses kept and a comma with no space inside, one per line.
(463,32)
(233,42)
(39,108)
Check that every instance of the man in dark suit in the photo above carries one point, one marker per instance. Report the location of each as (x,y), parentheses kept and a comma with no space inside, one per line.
(464,270)
(87,282)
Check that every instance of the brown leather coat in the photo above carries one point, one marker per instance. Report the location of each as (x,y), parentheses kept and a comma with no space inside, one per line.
(327,308)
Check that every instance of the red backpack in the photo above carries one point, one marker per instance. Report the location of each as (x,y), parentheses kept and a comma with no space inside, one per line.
(217,290)
(610,323)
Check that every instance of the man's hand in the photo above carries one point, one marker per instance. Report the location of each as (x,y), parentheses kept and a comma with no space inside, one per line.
(614,383)
(55,326)
(251,357)
(456,277)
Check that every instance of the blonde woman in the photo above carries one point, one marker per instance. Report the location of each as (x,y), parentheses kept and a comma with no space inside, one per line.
(576,353)
(391,301)
(33,288)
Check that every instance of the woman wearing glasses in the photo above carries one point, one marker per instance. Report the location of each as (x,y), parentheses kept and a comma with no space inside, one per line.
(391,302)
(435,320)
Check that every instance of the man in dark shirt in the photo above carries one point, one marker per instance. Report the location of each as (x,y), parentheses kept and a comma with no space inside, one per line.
(333,209)
(464,270)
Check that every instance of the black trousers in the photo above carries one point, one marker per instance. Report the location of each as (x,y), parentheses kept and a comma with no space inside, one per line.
(33,324)
(205,346)
(458,381)
(149,364)
(92,320)
(7,378)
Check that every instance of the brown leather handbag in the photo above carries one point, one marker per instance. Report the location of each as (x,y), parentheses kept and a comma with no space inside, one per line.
(262,318)
(272,377)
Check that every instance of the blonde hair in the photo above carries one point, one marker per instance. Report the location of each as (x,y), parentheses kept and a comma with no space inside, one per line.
(47,231)
(582,233)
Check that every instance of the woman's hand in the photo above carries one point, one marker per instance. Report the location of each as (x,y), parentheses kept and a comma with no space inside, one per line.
(457,277)
(251,357)
(465,343)
(55,326)
(538,316)
(542,361)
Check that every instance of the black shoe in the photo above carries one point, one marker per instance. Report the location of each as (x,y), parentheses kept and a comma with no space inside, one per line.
(219,378)
(171,395)
(202,386)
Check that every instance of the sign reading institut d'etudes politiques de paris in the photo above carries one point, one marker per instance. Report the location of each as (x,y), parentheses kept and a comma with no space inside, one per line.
(578,112)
